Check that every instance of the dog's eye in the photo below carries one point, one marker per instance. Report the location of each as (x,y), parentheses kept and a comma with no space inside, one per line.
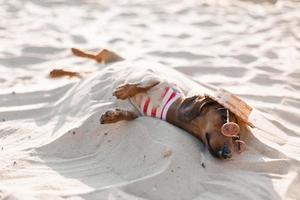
(223,114)
(224,118)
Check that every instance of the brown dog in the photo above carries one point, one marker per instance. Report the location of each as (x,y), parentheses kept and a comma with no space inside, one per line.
(151,96)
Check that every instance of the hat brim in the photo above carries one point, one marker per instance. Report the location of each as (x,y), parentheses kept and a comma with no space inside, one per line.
(236,105)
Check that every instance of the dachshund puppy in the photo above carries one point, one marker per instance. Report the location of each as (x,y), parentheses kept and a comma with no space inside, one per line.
(199,115)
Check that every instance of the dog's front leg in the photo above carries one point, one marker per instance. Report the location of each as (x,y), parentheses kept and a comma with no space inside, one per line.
(129,90)
(112,116)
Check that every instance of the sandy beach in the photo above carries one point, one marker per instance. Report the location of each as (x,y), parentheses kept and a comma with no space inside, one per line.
(52,145)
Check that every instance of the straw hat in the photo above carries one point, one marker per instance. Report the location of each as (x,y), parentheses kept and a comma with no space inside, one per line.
(234,104)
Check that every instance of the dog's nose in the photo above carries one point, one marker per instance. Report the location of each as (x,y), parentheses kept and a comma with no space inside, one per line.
(226,152)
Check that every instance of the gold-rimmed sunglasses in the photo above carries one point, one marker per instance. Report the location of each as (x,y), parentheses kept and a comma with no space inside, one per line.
(231,129)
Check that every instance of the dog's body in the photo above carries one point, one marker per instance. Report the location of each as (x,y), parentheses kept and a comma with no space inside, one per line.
(150,92)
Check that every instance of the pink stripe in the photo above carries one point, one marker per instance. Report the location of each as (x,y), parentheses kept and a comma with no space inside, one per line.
(153,112)
(171,97)
(146,105)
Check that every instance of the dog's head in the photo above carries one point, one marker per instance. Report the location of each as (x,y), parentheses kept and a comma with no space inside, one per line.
(204,117)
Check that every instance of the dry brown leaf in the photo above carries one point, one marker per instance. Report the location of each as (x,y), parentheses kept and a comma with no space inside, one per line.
(57,73)
(104,56)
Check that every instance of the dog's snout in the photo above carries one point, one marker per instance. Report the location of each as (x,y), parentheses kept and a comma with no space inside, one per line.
(226,152)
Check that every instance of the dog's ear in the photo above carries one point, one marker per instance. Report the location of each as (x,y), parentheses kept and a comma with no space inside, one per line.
(192,107)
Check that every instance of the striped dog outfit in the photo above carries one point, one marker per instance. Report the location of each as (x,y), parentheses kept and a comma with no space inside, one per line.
(157,107)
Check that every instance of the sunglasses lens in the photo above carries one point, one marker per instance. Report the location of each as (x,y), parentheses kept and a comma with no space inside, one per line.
(239,146)
(230,129)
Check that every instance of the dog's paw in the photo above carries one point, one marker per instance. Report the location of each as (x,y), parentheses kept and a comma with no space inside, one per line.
(109,117)
(124,91)
(112,116)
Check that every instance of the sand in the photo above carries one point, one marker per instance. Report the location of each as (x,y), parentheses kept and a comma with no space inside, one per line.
(52,145)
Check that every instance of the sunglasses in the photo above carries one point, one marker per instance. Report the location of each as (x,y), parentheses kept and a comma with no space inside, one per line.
(231,129)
